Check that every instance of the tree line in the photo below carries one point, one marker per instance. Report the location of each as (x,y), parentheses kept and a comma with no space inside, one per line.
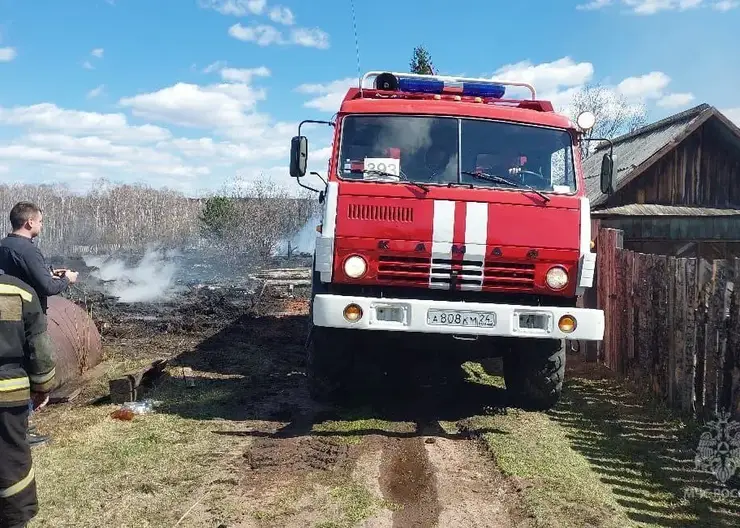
(239,219)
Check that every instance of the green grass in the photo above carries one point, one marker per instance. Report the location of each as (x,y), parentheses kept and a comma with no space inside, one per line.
(605,456)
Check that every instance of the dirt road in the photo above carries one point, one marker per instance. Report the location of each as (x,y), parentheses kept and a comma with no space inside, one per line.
(396,472)
(426,444)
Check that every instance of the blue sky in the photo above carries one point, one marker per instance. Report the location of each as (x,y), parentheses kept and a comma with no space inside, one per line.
(189,93)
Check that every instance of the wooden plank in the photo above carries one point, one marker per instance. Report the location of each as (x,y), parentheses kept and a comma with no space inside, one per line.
(703,285)
(630,309)
(64,395)
(718,334)
(732,368)
(679,330)
(129,386)
(623,301)
(688,398)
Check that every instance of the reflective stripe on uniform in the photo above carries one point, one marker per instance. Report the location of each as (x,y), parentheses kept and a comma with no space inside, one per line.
(9,289)
(40,379)
(15,384)
(18,486)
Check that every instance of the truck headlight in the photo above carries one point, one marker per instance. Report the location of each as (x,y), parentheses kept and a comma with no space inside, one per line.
(355,267)
(557,278)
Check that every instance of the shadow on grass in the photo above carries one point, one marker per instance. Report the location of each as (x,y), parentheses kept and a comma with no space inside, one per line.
(254,370)
(643,451)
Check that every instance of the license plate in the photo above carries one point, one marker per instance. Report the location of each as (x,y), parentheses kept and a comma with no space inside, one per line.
(461,318)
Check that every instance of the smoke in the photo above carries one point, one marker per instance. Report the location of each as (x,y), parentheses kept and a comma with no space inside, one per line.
(304,241)
(151,279)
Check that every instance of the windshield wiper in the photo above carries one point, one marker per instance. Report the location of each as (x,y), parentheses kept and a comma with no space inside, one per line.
(402,177)
(498,179)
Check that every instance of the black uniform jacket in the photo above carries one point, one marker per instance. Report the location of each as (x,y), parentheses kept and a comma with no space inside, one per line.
(26,356)
(21,258)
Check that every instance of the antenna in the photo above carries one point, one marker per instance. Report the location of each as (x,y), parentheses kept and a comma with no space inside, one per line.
(357,46)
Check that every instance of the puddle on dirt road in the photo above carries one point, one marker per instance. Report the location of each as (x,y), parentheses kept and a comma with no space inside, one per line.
(407,480)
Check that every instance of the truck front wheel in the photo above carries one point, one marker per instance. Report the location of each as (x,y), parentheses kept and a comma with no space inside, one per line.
(329,365)
(534,370)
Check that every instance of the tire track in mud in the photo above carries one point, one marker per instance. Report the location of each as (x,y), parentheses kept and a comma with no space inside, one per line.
(407,480)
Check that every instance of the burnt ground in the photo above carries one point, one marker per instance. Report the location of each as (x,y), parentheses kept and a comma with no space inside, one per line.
(424,443)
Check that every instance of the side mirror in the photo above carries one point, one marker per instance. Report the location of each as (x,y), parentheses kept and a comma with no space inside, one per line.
(298,156)
(607,174)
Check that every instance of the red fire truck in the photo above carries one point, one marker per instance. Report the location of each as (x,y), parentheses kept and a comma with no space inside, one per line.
(453,211)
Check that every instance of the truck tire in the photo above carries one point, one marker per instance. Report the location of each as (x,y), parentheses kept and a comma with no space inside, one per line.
(534,372)
(329,365)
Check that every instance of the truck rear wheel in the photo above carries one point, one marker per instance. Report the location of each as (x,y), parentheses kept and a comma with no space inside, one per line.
(534,372)
(329,365)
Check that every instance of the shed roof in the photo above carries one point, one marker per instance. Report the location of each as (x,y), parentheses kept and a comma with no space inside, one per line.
(637,151)
(663,210)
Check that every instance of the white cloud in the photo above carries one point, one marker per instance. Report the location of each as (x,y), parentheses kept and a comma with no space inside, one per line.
(97,52)
(593,5)
(220,106)
(266,35)
(238,8)
(243,75)
(4,169)
(648,86)
(330,95)
(88,65)
(7,54)
(725,5)
(310,38)
(675,100)
(96,92)
(60,144)
(215,66)
(282,15)
(548,77)
(262,35)
(48,116)
(733,114)
(649,7)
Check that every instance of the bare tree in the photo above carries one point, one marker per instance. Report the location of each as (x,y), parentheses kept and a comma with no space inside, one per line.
(615,115)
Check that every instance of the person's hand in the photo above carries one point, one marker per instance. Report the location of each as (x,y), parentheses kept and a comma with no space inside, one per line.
(59,272)
(39,400)
(72,276)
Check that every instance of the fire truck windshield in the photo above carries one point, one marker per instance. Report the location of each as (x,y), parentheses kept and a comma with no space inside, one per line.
(445,150)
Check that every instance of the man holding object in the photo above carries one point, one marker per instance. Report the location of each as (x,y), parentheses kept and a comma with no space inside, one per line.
(27,371)
(21,258)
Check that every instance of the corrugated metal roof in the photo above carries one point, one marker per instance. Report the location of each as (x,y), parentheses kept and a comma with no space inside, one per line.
(633,149)
(663,210)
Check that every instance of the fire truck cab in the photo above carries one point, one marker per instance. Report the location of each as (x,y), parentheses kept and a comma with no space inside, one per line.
(453,211)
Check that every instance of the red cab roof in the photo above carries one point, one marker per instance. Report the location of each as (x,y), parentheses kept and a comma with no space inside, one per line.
(520,111)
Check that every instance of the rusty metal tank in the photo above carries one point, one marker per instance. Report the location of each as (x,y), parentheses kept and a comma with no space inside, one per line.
(77,343)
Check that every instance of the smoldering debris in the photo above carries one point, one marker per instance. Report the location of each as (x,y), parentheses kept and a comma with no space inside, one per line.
(187,294)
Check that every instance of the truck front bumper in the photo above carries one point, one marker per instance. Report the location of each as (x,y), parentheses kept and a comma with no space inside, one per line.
(457,318)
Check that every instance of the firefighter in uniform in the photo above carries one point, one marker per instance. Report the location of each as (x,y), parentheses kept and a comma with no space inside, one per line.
(26,372)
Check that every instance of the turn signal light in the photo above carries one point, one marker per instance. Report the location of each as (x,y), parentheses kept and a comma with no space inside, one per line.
(352,313)
(567,324)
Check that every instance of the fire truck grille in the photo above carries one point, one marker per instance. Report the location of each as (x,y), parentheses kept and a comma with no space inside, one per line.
(509,275)
(404,270)
(382,213)
(468,274)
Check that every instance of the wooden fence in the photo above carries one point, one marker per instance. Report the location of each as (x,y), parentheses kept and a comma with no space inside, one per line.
(672,323)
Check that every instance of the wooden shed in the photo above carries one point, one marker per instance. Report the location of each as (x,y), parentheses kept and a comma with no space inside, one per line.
(677,186)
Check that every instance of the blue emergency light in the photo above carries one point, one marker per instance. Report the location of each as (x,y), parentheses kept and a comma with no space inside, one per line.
(430,85)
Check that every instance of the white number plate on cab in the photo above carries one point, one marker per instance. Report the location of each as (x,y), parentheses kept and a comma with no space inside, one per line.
(461,318)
